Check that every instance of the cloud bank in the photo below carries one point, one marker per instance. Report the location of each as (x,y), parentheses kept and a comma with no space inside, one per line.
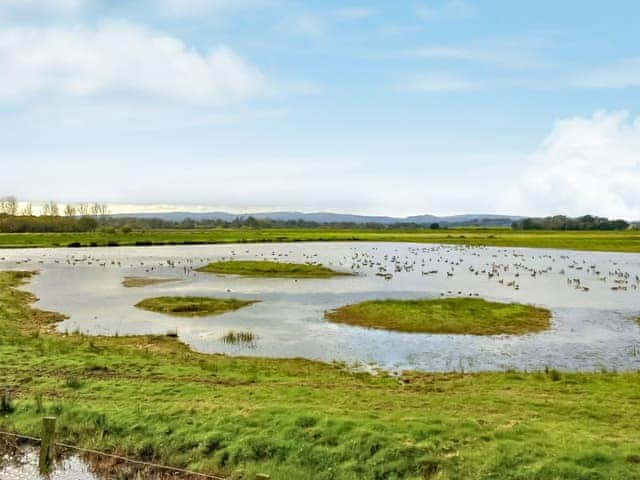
(586,165)
(116,58)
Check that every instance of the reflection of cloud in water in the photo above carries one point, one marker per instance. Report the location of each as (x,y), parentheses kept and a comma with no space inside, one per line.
(592,327)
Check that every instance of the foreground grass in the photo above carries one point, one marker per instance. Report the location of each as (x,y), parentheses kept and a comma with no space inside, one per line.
(192,306)
(152,398)
(251,268)
(624,241)
(472,316)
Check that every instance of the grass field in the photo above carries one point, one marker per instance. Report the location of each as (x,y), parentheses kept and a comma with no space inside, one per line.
(625,241)
(152,398)
(251,268)
(192,306)
(473,316)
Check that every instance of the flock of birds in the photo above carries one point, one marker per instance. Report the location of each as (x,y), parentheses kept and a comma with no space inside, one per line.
(505,267)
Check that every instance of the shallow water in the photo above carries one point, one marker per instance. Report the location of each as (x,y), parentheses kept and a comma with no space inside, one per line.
(594,298)
(21,463)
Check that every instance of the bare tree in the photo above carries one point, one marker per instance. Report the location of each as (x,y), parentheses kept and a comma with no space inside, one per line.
(50,209)
(69,210)
(83,209)
(9,205)
(27,210)
(99,209)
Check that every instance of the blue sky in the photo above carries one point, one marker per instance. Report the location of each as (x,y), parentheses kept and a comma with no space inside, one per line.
(449,106)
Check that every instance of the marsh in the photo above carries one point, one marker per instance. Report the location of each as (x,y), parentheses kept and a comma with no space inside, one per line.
(593,298)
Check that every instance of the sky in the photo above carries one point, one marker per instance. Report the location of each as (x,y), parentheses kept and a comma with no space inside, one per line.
(387,107)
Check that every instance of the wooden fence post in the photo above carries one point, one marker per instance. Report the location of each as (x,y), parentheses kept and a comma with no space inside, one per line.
(47,444)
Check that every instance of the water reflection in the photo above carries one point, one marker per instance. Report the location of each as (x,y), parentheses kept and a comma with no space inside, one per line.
(20,462)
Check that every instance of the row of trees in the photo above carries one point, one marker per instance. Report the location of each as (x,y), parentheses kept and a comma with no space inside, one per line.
(561,222)
(10,206)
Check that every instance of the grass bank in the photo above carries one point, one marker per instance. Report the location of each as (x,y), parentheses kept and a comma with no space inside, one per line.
(619,241)
(473,316)
(250,268)
(192,306)
(152,398)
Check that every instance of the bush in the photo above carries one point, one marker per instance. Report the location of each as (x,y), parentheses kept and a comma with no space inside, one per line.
(6,406)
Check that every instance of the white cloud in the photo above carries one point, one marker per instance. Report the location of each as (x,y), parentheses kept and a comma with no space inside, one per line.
(624,73)
(437,82)
(525,51)
(586,165)
(120,58)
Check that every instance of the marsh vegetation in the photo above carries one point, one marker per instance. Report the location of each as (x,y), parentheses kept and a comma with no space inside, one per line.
(473,316)
(265,268)
(192,306)
(239,338)
(612,241)
(151,398)
(136,282)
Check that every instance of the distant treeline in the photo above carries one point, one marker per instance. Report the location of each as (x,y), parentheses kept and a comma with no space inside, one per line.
(137,223)
(560,222)
(106,224)
(42,224)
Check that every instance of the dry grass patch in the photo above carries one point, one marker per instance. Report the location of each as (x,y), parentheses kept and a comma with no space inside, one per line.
(135,282)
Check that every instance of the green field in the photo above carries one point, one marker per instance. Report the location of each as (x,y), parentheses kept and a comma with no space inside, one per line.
(618,241)
(473,316)
(192,306)
(152,398)
(252,268)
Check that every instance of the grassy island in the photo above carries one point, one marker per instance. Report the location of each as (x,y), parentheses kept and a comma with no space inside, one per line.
(136,282)
(263,268)
(151,398)
(192,306)
(472,316)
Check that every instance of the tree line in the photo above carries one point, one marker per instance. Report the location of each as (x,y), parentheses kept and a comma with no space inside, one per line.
(10,206)
(80,217)
(561,222)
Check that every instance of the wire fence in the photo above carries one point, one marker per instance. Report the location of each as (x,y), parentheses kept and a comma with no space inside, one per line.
(139,463)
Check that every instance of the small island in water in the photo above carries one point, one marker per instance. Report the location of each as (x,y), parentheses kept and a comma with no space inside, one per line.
(137,282)
(264,268)
(472,316)
(192,306)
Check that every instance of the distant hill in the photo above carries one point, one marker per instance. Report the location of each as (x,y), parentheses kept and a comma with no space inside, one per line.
(327,217)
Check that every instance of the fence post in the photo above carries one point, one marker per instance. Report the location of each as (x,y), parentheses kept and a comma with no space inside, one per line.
(262,476)
(47,444)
